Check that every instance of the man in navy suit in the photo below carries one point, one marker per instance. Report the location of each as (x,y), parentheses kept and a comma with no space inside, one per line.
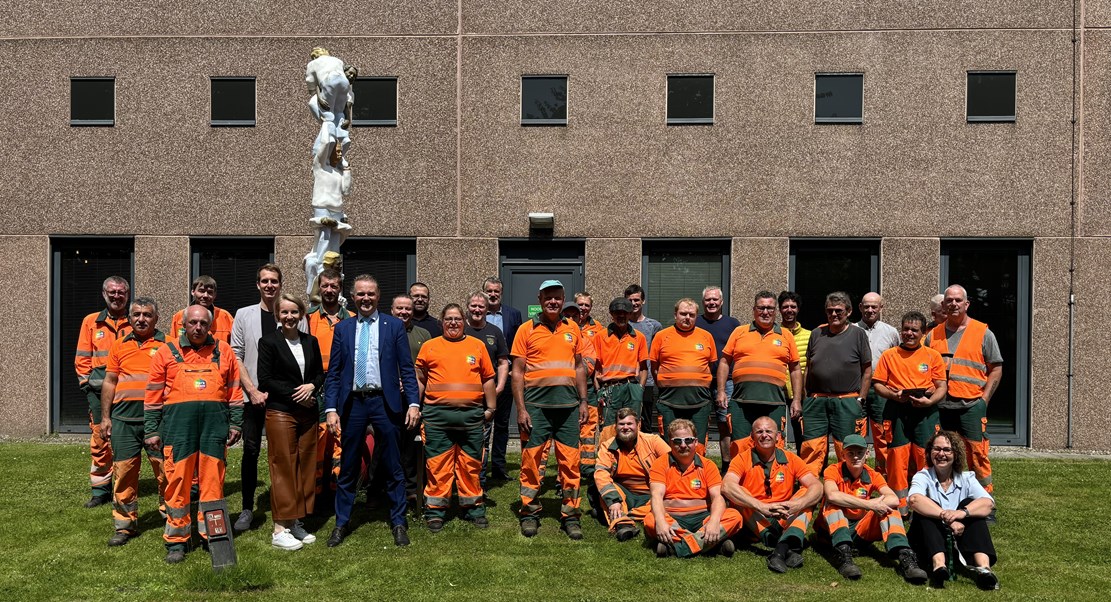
(370,381)
(508,320)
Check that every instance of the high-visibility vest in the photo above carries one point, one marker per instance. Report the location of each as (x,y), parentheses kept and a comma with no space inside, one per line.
(200,381)
(967,371)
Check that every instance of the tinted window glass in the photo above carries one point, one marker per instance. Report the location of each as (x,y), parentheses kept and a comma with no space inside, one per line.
(92,101)
(690,98)
(375,101)
(233,101)
(544,99)
(991,96)
(838,98)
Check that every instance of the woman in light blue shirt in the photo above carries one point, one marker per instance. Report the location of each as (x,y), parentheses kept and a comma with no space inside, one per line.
(947,499)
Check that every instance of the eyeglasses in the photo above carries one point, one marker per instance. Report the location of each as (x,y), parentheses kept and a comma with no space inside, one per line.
(683,440)
(766,310)
(453,319)
(944,450)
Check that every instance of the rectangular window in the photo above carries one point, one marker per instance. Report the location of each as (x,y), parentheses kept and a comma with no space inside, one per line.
(839,98)
(544,100)
(92,101)
(392,262)
(233,101)
(690,99)
(79,267)
(674,269)
(991,96)
(233,263)
(375,101)
(820,267)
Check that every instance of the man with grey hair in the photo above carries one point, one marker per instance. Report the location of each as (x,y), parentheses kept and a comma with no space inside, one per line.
(714,321)
(838,376)
(881,337)
(974,367)
(496,347)
(98,331)
(937,311)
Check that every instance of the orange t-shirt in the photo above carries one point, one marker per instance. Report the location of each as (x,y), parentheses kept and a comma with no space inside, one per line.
(899,368)
(454,371)
(324,331)
(684,358)
(622,356)
(694,483)
(866,487)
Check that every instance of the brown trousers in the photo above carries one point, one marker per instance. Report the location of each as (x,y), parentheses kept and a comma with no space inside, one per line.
(291,451)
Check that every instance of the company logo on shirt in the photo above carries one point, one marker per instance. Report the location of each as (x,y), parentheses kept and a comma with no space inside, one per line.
(200,384)
(629,346)
(923,367)
(99,334)
(471,360)
(490,340)
(862,493)
(696,483)
(699,347)
(777,342)
(780,477)
(153,351)
(568,337)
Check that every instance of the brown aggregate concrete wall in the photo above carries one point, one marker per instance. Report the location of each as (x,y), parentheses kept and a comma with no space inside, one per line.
(909,269)
(455,267)
(25,350)
(1049,341)
(289,254)
(764,168)
(1095,210)
(610,265)
(756,264)
(1093,313)
(164,156)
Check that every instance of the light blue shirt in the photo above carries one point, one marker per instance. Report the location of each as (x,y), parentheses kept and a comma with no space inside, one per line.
(373,371)
(964,486)
(495,318)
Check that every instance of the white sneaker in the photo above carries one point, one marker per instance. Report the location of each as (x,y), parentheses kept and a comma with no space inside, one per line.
(285,541)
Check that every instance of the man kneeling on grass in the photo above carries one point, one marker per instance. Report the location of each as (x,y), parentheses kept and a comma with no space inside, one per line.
(689,515)
(776,494)
(861,507)
(622,473)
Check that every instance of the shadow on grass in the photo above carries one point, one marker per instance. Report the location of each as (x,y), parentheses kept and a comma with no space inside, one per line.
(247,576)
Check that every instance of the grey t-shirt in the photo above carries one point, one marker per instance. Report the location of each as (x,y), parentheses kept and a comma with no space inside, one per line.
(992,355)
(834,361)
(648,327)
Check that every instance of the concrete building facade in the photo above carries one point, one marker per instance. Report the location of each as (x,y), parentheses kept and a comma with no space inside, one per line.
(1015,210)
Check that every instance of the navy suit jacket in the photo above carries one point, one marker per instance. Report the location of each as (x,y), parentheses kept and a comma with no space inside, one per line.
(395,363)
(511,321)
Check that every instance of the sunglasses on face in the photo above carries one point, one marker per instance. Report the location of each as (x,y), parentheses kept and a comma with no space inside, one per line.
(683,440)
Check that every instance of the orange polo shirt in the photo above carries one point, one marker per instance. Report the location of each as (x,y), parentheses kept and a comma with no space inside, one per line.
(454,371)
(323,329)
(761,362)
(549,355)
(899,368)
(694,483)
(866,487)
(776,482)
(620,355)
(684,358)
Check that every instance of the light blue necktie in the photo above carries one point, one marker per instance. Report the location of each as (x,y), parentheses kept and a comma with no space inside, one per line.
(361,353)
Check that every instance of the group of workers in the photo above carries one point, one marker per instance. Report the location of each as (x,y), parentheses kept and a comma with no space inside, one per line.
(423,404)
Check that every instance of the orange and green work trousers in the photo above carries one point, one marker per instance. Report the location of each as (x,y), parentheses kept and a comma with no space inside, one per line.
(688,541)
(127,442)
(824,415)
(588,451)
(635,506)
(453,457)
(741,416)
(906,446)
(699,415)
(971,423)
(561,424)
(881,419)
(616,395)
(844,529)
(773,531)
(100,453)
(195,435)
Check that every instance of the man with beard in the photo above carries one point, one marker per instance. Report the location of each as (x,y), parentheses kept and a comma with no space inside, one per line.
(621,474)
(421,297)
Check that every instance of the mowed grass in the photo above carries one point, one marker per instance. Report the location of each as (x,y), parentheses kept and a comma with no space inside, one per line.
(1052,540)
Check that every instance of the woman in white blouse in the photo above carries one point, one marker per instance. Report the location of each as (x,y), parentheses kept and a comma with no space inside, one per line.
(947,499)
(291,374)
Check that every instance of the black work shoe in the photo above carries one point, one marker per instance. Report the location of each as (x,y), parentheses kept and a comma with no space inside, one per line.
(98,500)
(776,563)
(118,539)
(573,529)
(401,535)
(985,579)
(728,548)
(662,550)
(939,577)
(908,565)
(845,563)
(338,535)
(243,522)
(625,532)
(793,560)
(435,525)
(529,526)
(175,556)
(481,522)
(488,501)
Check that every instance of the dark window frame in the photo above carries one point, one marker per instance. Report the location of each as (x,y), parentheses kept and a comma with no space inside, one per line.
(691,120)
(524,121)
(969,117)
(212,121)
(839,120)
(663,309)
(92,122)
(377,122)
(201,248)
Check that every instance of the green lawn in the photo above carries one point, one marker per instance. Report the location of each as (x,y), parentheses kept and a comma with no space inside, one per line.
(1052,540)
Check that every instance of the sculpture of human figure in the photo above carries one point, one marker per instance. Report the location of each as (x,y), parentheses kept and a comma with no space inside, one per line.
(329,80)
(330,184)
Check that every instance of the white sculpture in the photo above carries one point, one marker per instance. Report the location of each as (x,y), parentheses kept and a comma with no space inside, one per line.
(331,104)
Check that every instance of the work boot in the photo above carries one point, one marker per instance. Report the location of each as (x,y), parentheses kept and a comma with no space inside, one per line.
(481,522)
(625,532)
(175,556)
(435,525)
(662,550)
(776,563)
(793,560)
(573,529)
(846,566)
(728,548)
(119,538)
(908,562)
(529,526)
(98,500)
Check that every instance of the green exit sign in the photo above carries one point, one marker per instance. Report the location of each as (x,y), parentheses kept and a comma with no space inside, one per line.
(533,311)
